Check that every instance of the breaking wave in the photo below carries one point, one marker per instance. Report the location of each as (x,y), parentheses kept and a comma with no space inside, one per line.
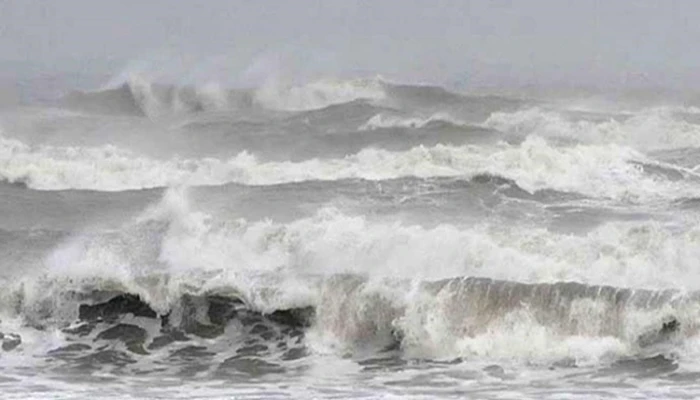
(384,121)
(607,171)
(475,318)
(140,97)
(173,279)
(177,288)
(650,129)
(318,94)
(479,318)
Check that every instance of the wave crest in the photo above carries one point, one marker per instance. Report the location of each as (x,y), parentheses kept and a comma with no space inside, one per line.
(651,129)
(607,171)
(490,319)
(318,94)
(384,121)
(141,97)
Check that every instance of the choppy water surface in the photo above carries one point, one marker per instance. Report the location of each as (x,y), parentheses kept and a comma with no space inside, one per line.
(347,239)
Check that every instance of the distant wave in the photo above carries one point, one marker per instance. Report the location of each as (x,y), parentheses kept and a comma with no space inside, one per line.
(432,96)
(325,92)
(386,121)
(120,101)
(318,94)
(606,171)
(140,97)
(649,129)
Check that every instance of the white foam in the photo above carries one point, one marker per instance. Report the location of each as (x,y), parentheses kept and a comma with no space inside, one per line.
(649,129)
(385,121)
(172,249)
(317,94)
(593,170)
(357,316)
(515,336)
(171,245)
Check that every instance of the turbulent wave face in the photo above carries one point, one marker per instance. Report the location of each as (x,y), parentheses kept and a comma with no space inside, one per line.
(326,231)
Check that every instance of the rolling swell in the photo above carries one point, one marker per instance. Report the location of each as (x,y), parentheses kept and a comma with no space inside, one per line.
(427,96)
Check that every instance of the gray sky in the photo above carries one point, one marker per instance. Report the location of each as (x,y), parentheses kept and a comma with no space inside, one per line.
(628,43)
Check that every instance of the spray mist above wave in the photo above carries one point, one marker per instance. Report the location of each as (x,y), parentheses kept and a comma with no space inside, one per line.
(138,96)
(318,94)
(607,171)
(650,129)
(172,249)
(366,289)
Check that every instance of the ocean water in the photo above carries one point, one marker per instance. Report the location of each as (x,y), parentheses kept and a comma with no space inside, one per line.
(347,239)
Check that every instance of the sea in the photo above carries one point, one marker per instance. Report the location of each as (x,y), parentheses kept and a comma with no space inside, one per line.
(357,238)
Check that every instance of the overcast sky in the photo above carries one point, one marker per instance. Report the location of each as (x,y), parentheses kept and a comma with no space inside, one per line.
(621,42)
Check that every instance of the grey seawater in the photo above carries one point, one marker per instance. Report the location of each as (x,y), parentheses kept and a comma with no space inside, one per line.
(401,242)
